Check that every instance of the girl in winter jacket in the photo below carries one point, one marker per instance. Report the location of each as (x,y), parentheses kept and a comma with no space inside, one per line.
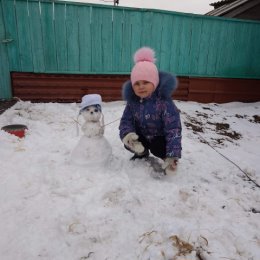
(151,121)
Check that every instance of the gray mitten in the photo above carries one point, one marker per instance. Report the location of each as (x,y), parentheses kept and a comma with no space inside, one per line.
(131,141)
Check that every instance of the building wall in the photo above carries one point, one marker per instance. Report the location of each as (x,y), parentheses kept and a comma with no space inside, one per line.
(250,14)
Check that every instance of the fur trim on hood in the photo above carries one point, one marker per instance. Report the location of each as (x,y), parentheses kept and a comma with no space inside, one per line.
(167,85)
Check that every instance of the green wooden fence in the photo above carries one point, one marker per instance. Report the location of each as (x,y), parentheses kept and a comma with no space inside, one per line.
(65,37)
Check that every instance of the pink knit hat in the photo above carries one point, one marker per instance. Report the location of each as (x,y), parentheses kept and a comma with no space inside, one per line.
(145,68)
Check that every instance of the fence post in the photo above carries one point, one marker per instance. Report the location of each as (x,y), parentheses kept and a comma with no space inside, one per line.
(5,81)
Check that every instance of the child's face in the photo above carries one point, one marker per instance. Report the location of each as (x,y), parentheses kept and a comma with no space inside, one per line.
(143,88)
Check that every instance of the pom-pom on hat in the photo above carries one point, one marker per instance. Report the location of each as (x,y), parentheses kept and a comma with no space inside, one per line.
(145,68)
(90,100)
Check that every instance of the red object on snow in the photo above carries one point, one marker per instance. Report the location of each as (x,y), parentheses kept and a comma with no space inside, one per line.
(18,130)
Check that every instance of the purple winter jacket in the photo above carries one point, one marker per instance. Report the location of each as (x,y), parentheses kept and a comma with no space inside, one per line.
(153,116)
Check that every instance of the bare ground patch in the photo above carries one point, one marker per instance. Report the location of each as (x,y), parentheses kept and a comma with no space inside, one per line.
(223,130)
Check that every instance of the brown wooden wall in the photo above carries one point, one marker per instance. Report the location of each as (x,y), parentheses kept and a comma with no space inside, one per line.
(221,90)
(71,87)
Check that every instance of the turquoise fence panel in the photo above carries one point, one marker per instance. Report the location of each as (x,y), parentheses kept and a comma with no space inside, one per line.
(61,37)
(223,65)
(254,57)
(106,39)
(117,35)
(48,36)
(204,49)
(96,26)
(23,29)
(128,35)
(85,45)
(135,41)
(36,37)
(72,37)
(156,35)
(195,44)
(212,45)
(235,47)
(176,45)
(165,34)
(9,14)
(5,90)
(241,61)
(147,24)
(185,38)
(226,65)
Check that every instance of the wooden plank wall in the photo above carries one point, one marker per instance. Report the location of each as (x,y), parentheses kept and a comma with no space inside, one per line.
(71,88)
(73,38)
(66,87)
(222,90)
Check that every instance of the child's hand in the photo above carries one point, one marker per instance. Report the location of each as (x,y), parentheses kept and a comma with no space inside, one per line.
(131,141)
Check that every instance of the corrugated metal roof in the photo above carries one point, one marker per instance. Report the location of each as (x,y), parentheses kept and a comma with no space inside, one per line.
(226,8)
(220,3)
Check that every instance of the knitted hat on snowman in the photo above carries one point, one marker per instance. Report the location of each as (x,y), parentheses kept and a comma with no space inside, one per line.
(90,100)
(145,68)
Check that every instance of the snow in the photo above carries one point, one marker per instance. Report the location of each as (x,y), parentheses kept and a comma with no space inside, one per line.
(83,153)
(55,209)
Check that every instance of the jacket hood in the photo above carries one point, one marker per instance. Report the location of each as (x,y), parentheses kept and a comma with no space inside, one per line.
(167,85)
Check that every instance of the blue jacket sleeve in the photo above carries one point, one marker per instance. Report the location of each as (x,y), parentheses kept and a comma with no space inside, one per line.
(127,122)
(172,129)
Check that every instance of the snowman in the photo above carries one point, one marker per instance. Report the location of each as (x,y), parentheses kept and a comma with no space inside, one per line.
(93,148)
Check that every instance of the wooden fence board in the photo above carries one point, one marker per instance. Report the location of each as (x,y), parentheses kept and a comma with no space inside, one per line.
(107,39)
(85,45)
(255,49)
(176,43)
(23,28)
(185,38)
(35,34)
(166,41)
(212,48)
(61,37)
(11,33)
(204,49)
(48,36)
(156,35)
(136,24)
(4,63)
(72,37)
(147,23)
(195,44)
(126,55)
(96,25)
(117,35)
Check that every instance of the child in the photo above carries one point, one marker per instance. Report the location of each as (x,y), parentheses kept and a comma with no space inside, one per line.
(151,121)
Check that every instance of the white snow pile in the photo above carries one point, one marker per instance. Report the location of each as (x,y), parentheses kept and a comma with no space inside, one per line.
(52,208)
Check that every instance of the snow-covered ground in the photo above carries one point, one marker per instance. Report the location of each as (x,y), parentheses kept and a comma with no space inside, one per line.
(51,208)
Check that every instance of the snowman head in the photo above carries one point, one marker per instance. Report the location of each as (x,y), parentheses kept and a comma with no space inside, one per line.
(91,113)
(90,107)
